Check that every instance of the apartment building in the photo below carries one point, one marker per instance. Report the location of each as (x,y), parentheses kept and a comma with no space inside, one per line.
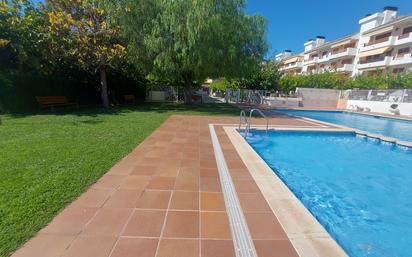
(383,43)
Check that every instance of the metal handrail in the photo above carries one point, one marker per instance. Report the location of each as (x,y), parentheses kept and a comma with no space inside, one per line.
(262,114)
(248,122)
(243,118)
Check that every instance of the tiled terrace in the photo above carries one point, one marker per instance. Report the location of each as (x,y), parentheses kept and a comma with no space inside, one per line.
(165,200)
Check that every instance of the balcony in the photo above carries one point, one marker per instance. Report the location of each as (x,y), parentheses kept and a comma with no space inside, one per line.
(406,59)
(324,58)
(310,61)
(293,65)
(379,44)
(345,53)
(404,39)
(375,64)
(345,68)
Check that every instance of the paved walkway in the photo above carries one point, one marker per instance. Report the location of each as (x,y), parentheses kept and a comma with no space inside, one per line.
(165,200)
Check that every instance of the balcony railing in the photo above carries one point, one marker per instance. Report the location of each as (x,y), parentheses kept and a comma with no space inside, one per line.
(402,59)
(347,52)
(406,35)
(374,42)
(383,61)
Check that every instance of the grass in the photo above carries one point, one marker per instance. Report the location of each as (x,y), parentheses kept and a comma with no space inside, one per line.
(47,160)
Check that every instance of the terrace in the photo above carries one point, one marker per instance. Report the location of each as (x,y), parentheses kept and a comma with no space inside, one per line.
(166,198)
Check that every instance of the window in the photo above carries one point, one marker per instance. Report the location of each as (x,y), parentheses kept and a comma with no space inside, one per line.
(407,30)
(382,36)
(313,56)
(347,61)
(403,51)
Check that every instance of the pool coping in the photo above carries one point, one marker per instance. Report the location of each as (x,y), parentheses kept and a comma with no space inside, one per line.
(383,115)
(358,131)
(307,235)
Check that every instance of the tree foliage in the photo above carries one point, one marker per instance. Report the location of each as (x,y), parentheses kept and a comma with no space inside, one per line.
(23,41)
(81,33)
(192,40)
(289,82)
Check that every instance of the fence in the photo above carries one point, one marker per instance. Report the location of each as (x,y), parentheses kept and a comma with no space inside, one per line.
(390,95)
(165,94)
(244,96)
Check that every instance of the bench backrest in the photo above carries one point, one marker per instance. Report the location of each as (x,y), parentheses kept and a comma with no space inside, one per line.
(52,99)
(129,98)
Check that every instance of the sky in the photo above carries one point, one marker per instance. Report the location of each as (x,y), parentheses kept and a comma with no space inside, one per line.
(292,22)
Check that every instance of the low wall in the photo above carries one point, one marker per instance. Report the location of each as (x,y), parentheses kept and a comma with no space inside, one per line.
(381,107)
(330,104)
(282,101)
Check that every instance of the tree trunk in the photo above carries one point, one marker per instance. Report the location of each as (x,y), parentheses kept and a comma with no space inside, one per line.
(103,88)
(188,88)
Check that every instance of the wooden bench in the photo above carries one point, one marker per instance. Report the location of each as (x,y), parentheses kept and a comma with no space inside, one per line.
(129,99)
(54,101)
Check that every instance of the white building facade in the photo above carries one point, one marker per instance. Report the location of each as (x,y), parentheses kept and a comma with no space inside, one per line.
(383,44)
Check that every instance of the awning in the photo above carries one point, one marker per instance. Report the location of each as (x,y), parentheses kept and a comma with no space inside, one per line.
(379,31)
(291,60)
(374,52)
(348,41)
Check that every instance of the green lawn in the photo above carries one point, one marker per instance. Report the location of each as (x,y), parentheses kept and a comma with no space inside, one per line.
(47,160)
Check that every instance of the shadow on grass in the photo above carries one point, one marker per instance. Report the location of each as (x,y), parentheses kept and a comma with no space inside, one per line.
(172,108)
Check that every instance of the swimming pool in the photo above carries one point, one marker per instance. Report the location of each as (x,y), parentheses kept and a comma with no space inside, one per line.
(400,129)
(357,187)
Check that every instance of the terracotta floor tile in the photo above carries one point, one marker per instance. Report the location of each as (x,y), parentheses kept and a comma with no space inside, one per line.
(218,248)
(108,222)
(182,224)
(162,183)
(264,226)
(189,163)
(189,172)
(187,183)
(253,203)
(208,164)
(86,246)
(209,173)
(135,247)
(44,245)
(182,200)
(135,182)
(150,161)
(154,200)
(109,181)
(178,248)
(212,202)
(210,185)
(145,223)
(215,225)
(94,197)
(240,174)
(246,186)
(123,198)
(167,171)
(275,248)
(70,221)
(144,170)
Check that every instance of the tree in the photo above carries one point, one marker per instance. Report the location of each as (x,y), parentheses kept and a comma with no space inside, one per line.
(22,37)
(82,32)
(189,41)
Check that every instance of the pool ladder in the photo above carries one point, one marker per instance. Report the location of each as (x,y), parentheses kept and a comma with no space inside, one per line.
(244,120)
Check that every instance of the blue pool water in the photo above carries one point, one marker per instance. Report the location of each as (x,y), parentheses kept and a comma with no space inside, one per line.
(400,129)
(360,189)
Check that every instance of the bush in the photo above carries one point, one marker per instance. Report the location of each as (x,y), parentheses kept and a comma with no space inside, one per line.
(290,82)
